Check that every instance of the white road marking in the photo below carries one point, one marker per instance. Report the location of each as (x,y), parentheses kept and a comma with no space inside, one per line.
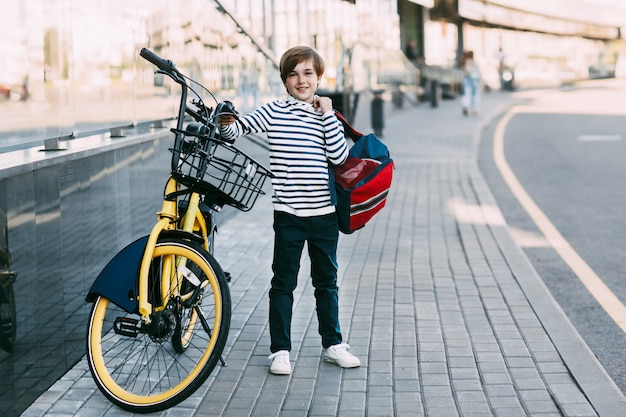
(599,138)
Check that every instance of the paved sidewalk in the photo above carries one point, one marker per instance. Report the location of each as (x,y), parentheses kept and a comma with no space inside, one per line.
(445,312)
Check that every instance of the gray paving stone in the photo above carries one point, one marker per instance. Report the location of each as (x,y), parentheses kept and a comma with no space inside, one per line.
(467,384)
(538,407)
(513,412)
(464,373)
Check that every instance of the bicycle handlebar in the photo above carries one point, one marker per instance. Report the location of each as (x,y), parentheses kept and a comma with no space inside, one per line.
(163,64)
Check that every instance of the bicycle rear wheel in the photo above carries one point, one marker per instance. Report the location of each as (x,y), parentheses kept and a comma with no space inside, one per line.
(147,368)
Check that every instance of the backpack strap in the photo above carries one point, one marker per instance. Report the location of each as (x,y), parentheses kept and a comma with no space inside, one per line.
(351,132)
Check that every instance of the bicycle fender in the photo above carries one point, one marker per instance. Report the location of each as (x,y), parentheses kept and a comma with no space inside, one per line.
(118,280)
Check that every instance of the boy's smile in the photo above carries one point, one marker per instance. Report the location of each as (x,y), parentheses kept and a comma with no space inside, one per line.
(302,81)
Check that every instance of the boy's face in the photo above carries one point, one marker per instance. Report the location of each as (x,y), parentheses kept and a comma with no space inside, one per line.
(302,81)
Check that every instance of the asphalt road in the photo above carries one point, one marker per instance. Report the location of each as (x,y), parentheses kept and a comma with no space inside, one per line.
(567,149)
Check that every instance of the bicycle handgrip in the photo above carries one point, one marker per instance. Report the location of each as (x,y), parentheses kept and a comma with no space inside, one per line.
(163,64)
(226,107)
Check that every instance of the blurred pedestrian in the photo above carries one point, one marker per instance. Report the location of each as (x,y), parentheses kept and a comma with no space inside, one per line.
(305,140)
(472,83)
(410,50)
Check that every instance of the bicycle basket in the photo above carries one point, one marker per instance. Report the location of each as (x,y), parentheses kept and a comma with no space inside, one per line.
(218,170)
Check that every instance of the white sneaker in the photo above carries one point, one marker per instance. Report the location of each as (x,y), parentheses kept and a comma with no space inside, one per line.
(279,363)
(339,355)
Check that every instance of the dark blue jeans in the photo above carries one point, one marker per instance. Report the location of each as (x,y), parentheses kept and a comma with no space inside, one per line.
(321,234)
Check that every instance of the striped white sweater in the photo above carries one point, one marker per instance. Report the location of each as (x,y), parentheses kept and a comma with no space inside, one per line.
(302,143)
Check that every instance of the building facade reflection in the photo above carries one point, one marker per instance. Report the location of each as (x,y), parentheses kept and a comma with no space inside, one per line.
(78,61)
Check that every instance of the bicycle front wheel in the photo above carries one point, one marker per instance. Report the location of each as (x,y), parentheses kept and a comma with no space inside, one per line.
(147,368)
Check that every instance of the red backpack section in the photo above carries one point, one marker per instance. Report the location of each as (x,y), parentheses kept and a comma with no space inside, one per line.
(363,181)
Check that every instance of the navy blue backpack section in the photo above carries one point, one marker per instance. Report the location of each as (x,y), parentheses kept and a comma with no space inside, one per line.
(363,181)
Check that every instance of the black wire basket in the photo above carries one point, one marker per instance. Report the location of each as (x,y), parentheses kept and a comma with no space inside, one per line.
(224,174)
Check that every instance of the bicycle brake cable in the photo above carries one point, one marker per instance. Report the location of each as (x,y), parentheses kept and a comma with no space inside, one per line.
(198,95)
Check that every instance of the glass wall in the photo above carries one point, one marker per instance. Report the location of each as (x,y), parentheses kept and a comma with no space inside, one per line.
(71,67)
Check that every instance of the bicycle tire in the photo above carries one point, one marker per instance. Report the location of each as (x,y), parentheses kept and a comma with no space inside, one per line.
(147,369)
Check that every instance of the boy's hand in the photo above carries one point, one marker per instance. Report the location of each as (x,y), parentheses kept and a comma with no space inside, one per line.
(227,113)
(325,104)
(227,119)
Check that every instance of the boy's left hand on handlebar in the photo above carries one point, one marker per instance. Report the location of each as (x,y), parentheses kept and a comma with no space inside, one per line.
(227,119)
(227,113)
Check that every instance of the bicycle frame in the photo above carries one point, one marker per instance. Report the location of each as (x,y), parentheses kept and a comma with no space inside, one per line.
(168,216)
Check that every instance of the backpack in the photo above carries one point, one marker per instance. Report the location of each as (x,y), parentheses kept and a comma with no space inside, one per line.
(363,181)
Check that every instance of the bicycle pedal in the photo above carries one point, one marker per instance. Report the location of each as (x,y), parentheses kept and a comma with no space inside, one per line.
(125,326)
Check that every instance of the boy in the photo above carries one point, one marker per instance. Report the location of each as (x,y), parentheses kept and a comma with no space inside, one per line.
(305,138)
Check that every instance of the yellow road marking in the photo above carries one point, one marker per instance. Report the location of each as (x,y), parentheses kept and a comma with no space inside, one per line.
(605,297)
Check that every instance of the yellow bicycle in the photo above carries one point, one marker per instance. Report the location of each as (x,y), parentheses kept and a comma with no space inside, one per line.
(161,307)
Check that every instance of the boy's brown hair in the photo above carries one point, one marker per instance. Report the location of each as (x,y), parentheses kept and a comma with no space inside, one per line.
(293,56)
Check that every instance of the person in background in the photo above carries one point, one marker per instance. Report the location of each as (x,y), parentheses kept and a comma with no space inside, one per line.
(472,83)
(410,51)
(305,140)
